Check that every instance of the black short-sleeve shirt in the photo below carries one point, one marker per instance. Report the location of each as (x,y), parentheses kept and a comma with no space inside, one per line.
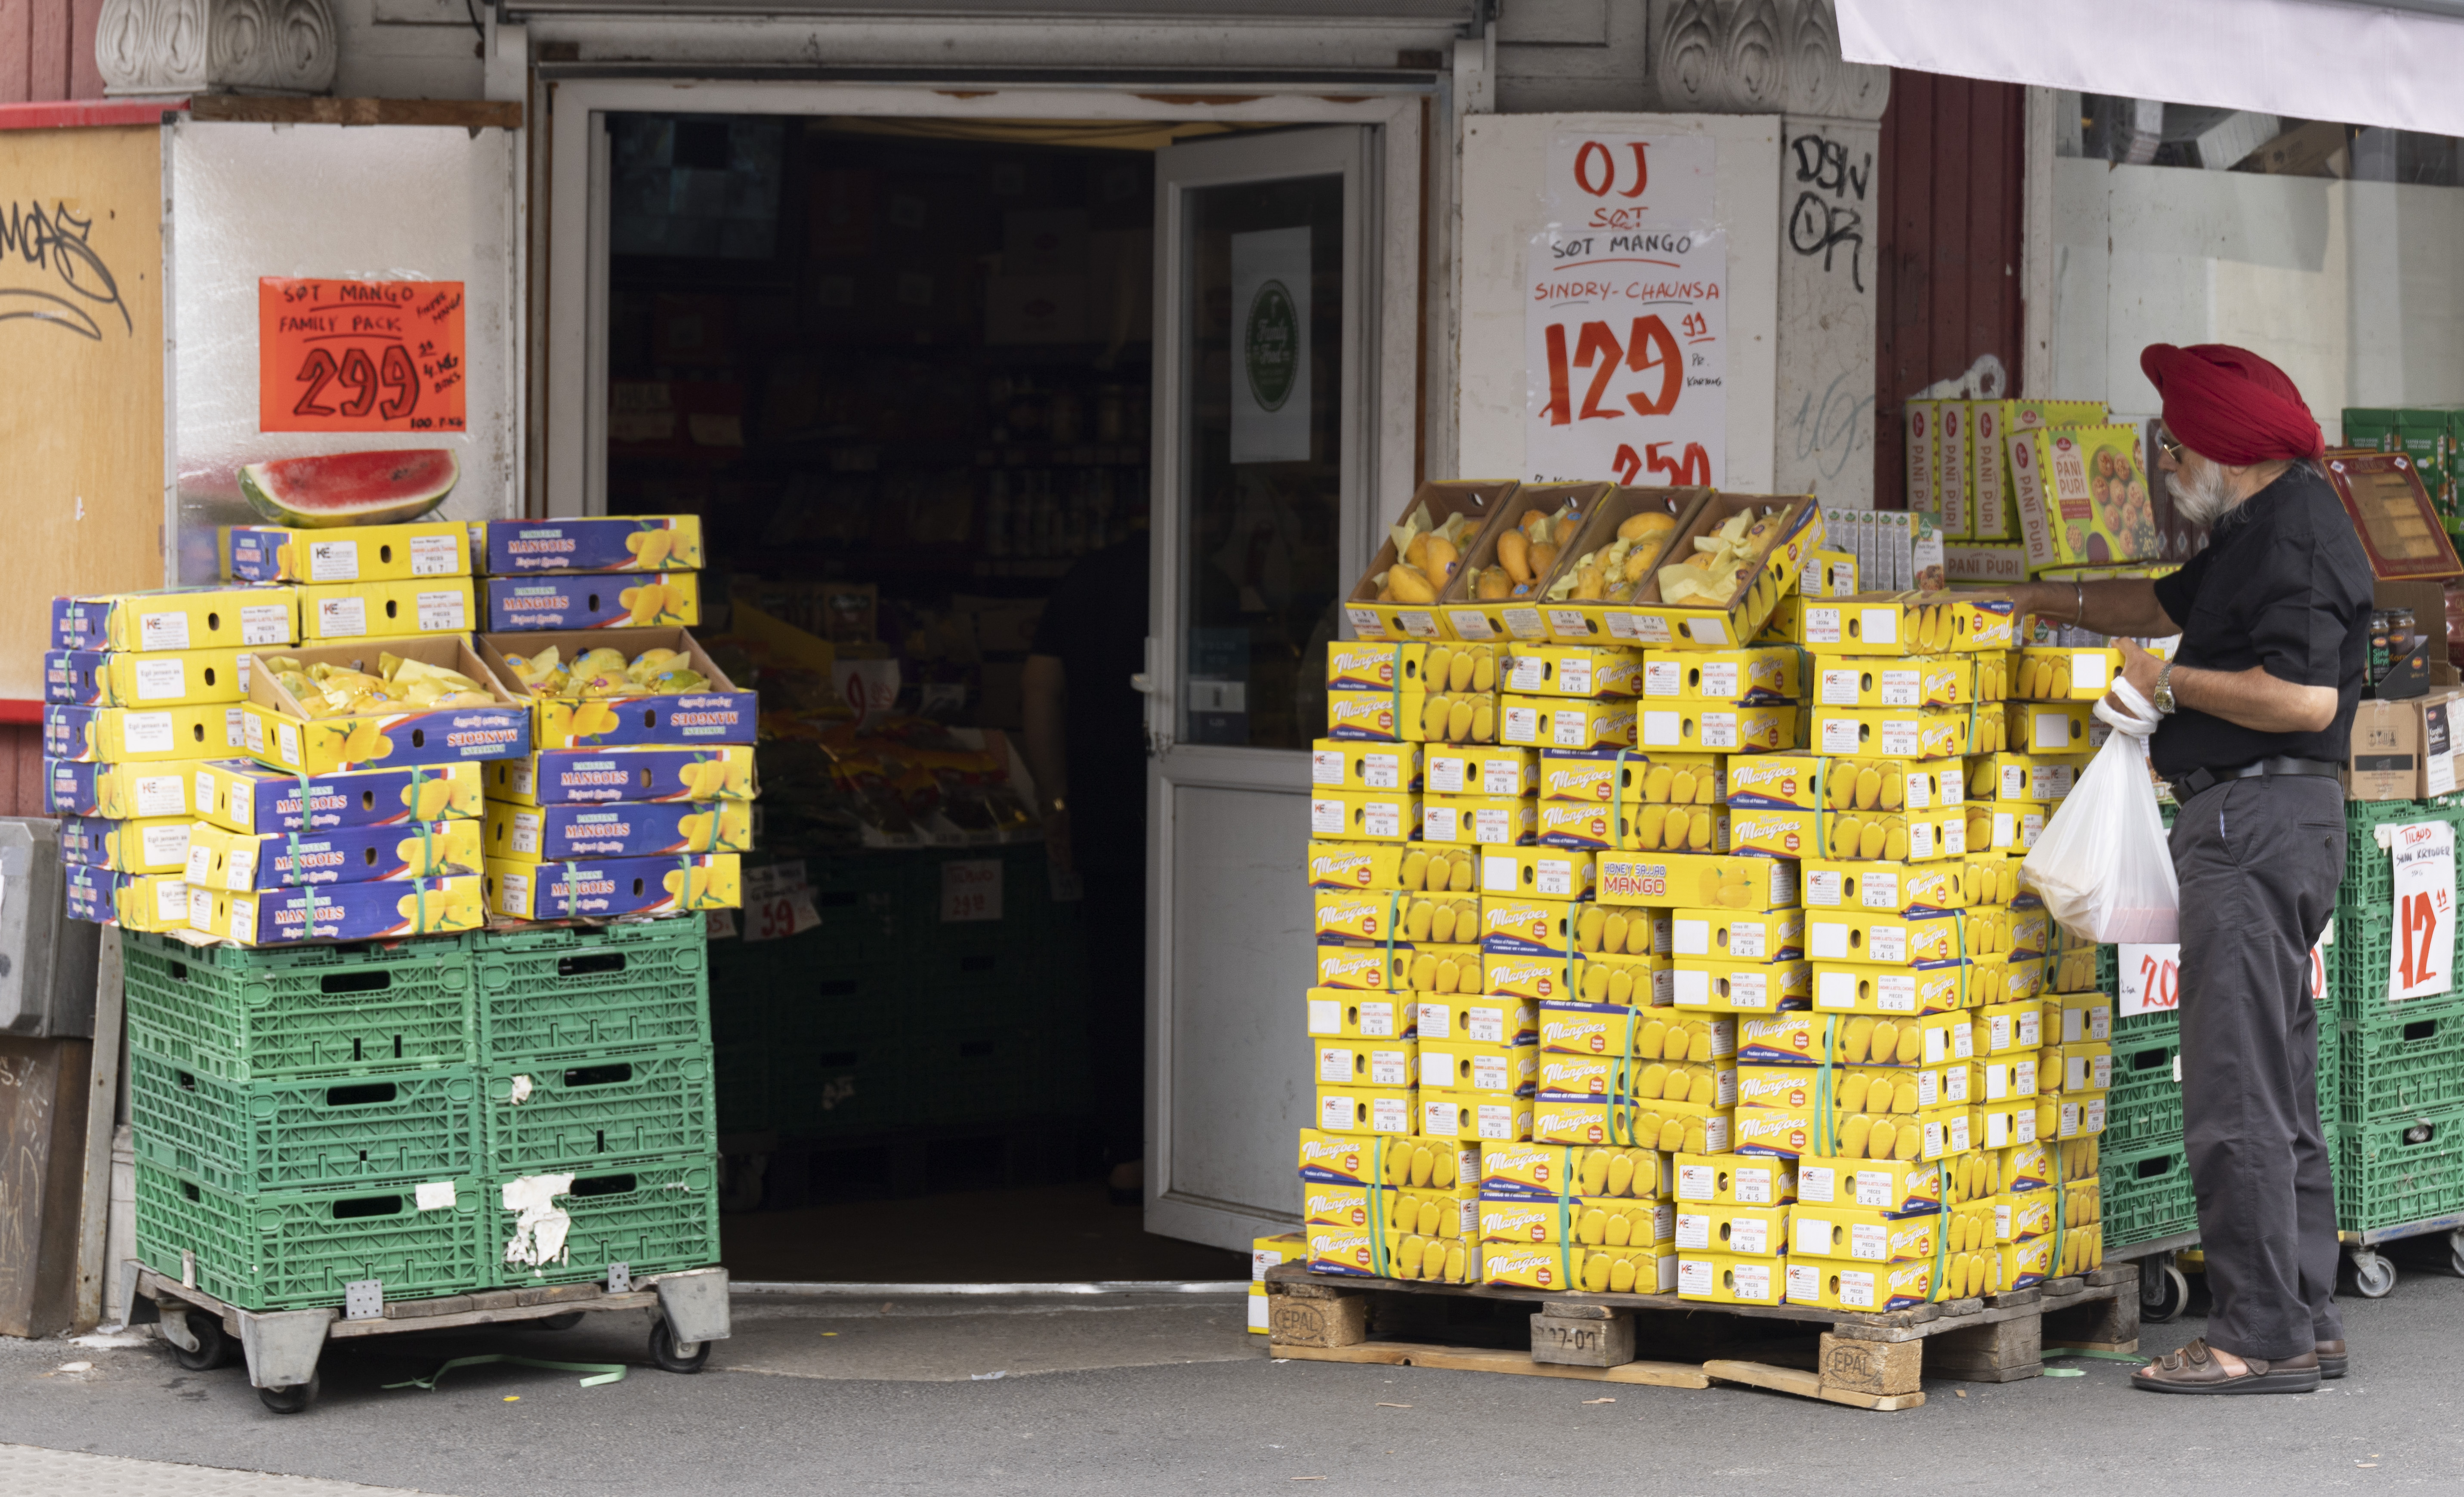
(2285,584)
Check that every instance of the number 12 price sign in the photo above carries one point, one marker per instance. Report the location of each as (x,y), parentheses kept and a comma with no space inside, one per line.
(1625,319)
(2420,957)
(358,355)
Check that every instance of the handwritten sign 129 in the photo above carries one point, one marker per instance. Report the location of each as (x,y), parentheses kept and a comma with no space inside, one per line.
(358,355)
(1625,319)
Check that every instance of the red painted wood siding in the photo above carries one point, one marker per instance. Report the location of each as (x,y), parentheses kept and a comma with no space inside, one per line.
(47,50)
(21,769)
(1953,159)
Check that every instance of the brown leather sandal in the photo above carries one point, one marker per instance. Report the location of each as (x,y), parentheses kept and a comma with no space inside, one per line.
(2195,1368)
(2332,1360)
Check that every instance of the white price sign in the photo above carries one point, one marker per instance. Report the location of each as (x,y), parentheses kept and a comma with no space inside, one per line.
(2420,959)
(1625,321)
(777,918)
(971,890)
(2151,976)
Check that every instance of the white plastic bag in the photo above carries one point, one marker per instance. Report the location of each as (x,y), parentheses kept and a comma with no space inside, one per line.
(2101,865)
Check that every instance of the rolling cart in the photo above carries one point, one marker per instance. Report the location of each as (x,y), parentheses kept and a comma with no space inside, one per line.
(281,1347)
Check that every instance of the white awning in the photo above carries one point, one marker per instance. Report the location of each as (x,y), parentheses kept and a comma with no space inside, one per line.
(2396,64)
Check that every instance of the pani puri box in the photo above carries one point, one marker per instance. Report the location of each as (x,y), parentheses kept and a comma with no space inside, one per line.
(340,911)
(604,889)
(632,772)
(1767,935)
(615,544)
(159,678)
(1891,992)
(133,736)
(1703,726)
(1830,1284)
(1492,820)
(1631,776)
(622,829)
(1364,816)
(1740,1179)
(245,797)
(1891,1186)
(1539,872)
(1366,1063)
(137,901)
(1566,723)
(1729,986)
(1341,764)
(1727,1279)
(1848,884)
(1573,670)
(1340,1013)
(1695,880)
(1542,1170)
(1747,1231)
(1891,681)
(1479,1019)
(191,618)
(1888,939)
(236,862)
(155,844)
(1864,1234)
(1465,1116)
(346,553)
(1457,769)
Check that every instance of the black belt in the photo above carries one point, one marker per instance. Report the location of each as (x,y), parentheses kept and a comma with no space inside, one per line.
(2198,779)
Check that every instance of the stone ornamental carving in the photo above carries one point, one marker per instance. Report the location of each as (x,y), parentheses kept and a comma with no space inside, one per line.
(215,46)
(1758,57)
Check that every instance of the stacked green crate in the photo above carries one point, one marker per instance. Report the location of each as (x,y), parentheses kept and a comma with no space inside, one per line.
(598,1100)
(305,1118)
(2432,436)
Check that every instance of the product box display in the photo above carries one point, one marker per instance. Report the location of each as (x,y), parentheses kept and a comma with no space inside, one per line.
(154,845)
(144,680)
(339,912)
(594,602)
(2083,497)
(135,901)
(240,863)
(1443,517)
(614,543)
(194,618)
(346,553)
(141,735)
(245,797)
(605,889)
(475,719)
(635,772)
(622,687)
(330,611)
(118,792)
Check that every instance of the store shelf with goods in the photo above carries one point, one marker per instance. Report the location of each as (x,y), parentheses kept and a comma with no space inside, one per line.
(589,1112)
(238,1014)
(576,991)
(654,1215)
(2399,1060)
(301,1249)
(2401,1170)
(2147,1194)
(314,1134)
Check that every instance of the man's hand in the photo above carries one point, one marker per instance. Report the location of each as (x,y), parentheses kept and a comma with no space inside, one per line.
(2140,668)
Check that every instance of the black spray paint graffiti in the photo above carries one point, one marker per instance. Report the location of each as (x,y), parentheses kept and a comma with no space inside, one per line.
(55,245)
(1823,220)
(1834,427)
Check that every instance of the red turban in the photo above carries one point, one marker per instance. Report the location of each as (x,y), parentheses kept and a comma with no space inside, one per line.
(2230,405)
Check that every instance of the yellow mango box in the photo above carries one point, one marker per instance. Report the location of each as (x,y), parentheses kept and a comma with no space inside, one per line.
(2026,1265)
(2004,1027)
(1894,681)
(278,730)
(1573,670)
(1442,1214)
(340,911)
(1865,1234)
(1848,884)
(2007,1078)
(1364,816)
(1466,1115)
(1366,1063)
(159,678)
(1454,769)
(1564,1265)
(1538,872)
(1800,1039)
(1604,933)
(1727,1279)
(136,901)
(1592,1221)
(246,797)
(1564,722)
(2083,1017)
(1470,1065)
(1643,982)
(1729,985)
(1782,532)
(624,829)
(2056,727)
(2076,1117)
(1624,827)
(1377,914)
(1480,1017)
(1549,1171)
(2067,675)
(606,888)
(141,735)
(1486,820)
(1804,782)
(1698,727)
(1363,1157)
(1356,866)
(1854,1135)
(332,611)
(155,844)
(1629,776)
(1740,1179)
(1765,935)
(2005,826)
(1349,764)
(2025,776)
(1681,880)
(347,554)
(1750,676)
(1830,1284)
(1914,733)
(2017,1218)
(1377,665)
(240,863)
(718,712)
(631,772)
(1366,1109)
(1889,992)
(1884,940)
(1341,1014)
(1747,1231)
(1377,968)
(1892,1186)
(192,618)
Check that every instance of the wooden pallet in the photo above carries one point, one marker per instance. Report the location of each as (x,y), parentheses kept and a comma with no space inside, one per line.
(1869,1360)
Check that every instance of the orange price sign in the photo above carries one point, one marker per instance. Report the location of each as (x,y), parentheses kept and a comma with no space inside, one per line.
(358,355)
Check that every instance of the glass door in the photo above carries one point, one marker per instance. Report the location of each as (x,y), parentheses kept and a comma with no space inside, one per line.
(1261,465)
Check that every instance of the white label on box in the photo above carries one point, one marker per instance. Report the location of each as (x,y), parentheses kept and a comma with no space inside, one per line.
(1997,1034)
(2031,1028)
(1438,1118)
(1997,1129)
(1382,771)
(1554,878)
(1749,1235)
(1446,772)
(1365,623)
(1823,888)
(1574,676)
(1493,826)
(165,795)
(1324,1015)
(1839,686)
(2049,732)
(1874,1188)
(1390,1068)
(170,902)
(2005,830)
(433,556)
(342,618)
(1753,1282)
(1899,688)
(1377,1018)
(2023,1078)
(1718,681)
(1437,1071)
(1755,1187)
(1438,823)
(1693,1230)
(1881,626)
(1749,990)
(1869,1240)
(1471,624)
(1383,818)
(1997,1081)
(1693,988)
(1663,729)
(1856,1289)
(1526,673)
(1834,990)
(333,561)
(1689,937)
(1921,840)
(1928,1088)
(1827,940)
(1501,777)
(1887,943)
(514,898)
(1719,730)
(2015,780)
(1894,993)
(1326,766)
(1804,1283)
(1327,818)
(201,909)
(1918,791)
(163,631)
(264,624)
(1816,1183)
(1841,734)
(1491,1073)
(2002,1220)
(527,825)
(1697,1181)
(147,733)
(1746,940)
(1823,625)
(1495,1120)
(1435,1021)
(1484,1026)
(443,610)
(234,727)
(2088,672)
(1697,1278)
(1334,1066)
(1648,628)
(1902,736)
(1518,725)
(1881,890)
(165,845)
(161,680)
(1334,1113)
(200,860)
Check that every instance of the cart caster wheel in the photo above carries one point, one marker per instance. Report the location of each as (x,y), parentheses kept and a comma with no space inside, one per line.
(293,1399)
(2455,1252)
(565,1322)
(2163,1292)
(216,1347)
(2372,1275)
(664,1352)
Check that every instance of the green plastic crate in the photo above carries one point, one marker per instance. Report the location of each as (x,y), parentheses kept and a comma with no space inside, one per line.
(242,1015)
(578,1114)
(2146,1194)
(2145,1106)
(318,1134)
(2401,1170)
(2399,1059)
(636,985)
(654,1215)
(299,1249)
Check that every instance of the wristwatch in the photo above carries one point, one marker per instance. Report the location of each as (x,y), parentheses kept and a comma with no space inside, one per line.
(2165,690)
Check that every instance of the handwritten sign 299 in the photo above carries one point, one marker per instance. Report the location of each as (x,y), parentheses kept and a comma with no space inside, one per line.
(358,355)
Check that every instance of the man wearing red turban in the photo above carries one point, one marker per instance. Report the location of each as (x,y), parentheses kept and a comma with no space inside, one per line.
(2256,708)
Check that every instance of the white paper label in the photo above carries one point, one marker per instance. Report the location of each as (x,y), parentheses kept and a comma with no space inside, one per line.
(1881,626)
(1494,1120)
(165,795)
(1894,993)
(342,618)
(161,680)
(1755,1187)
(1880,891)
(1526,673)
(1382,818)
(1693,1232)
(1326,767)
(1826,940)
(264,624)
(1328,819)
(1689,937)
(1902,737)
(333,561)
(1390,1068)
(2420,957)
(1663,729)
(1823,625)
(1555,879)
(201,909)
(146,733)
(1823,890)
(1749,1235)
(1841,734)
(1485,1025)
(1501,777)
(2049,733)
(1382,771)
(1718,681)
(1899,688)
(1753,1282)
(1815,1183)
(1720,730)
(1446,773)
(164,846)
(1747,940)
(1438,823)
(1697,1278)
(1856,1289)
(1749,990)
(1835,990)
(1874,1188)
(1575,677)
(1663,678)
(1493,826)
(1887,943)
(1697,1183)
(170,902)
(163,631)
(2087,673)
(1518,725)
(1334,1113)
(1324,1015)
(1377,1018)
(1919,790)
(433,556)
(1871,1239)
(443,610)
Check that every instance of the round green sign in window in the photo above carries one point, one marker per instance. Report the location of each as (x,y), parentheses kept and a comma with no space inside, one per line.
(1270,345)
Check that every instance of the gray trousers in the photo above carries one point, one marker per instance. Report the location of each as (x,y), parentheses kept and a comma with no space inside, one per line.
(2258,862)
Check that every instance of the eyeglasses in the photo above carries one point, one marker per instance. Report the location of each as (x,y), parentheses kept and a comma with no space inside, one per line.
(2171,445)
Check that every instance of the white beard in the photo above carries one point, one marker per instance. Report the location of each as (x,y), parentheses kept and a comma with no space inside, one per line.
(2202,500)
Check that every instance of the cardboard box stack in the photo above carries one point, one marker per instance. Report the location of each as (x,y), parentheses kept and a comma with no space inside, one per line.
(138,689)
(632,571)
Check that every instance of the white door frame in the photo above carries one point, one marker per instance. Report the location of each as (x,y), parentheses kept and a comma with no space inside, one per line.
(1178,765)
(576,344)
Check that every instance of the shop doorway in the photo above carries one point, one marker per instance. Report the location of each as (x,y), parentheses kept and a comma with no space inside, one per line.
(906,371)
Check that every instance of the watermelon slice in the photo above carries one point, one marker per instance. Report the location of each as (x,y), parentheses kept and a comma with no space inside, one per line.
(350,488)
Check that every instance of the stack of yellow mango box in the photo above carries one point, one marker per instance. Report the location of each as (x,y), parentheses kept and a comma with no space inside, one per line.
(139,688)
(631,571)
(363,582)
